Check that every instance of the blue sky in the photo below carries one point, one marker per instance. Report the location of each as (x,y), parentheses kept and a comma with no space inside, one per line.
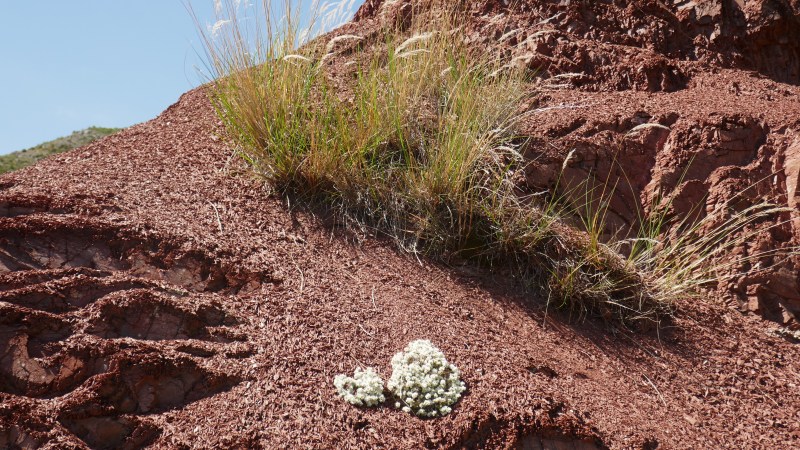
(68,65)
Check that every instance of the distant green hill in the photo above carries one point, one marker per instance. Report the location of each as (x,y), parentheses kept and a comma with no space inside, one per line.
(24,158)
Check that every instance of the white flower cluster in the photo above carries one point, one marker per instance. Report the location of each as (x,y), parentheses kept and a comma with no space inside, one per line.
(364,388)
(423,381)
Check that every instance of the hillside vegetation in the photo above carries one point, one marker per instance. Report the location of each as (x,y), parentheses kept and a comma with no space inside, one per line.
(27,157)
(396,136)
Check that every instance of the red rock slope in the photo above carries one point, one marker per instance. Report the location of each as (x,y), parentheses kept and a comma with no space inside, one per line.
(154,295)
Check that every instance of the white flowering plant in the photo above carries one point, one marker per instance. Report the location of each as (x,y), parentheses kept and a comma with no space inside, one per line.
(423,381)
(364,388)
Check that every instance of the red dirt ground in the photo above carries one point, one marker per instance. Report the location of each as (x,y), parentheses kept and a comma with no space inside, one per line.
(154,294)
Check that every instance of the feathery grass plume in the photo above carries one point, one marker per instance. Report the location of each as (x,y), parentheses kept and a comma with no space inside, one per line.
(299,58)
(413,40)
(412,53)
(329,48)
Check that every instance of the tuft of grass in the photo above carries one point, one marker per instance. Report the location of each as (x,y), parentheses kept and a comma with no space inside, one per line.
(668,258)
(421,143)
(415,149)
(680,257)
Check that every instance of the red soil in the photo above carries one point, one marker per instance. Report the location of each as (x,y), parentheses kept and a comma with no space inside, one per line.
(154,294)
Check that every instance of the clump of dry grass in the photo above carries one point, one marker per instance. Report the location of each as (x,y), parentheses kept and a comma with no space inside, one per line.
(667,259)
(415,150)
(424,148)
(680,258)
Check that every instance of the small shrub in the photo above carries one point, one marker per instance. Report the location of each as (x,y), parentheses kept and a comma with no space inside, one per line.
(423,381)
(364,388)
